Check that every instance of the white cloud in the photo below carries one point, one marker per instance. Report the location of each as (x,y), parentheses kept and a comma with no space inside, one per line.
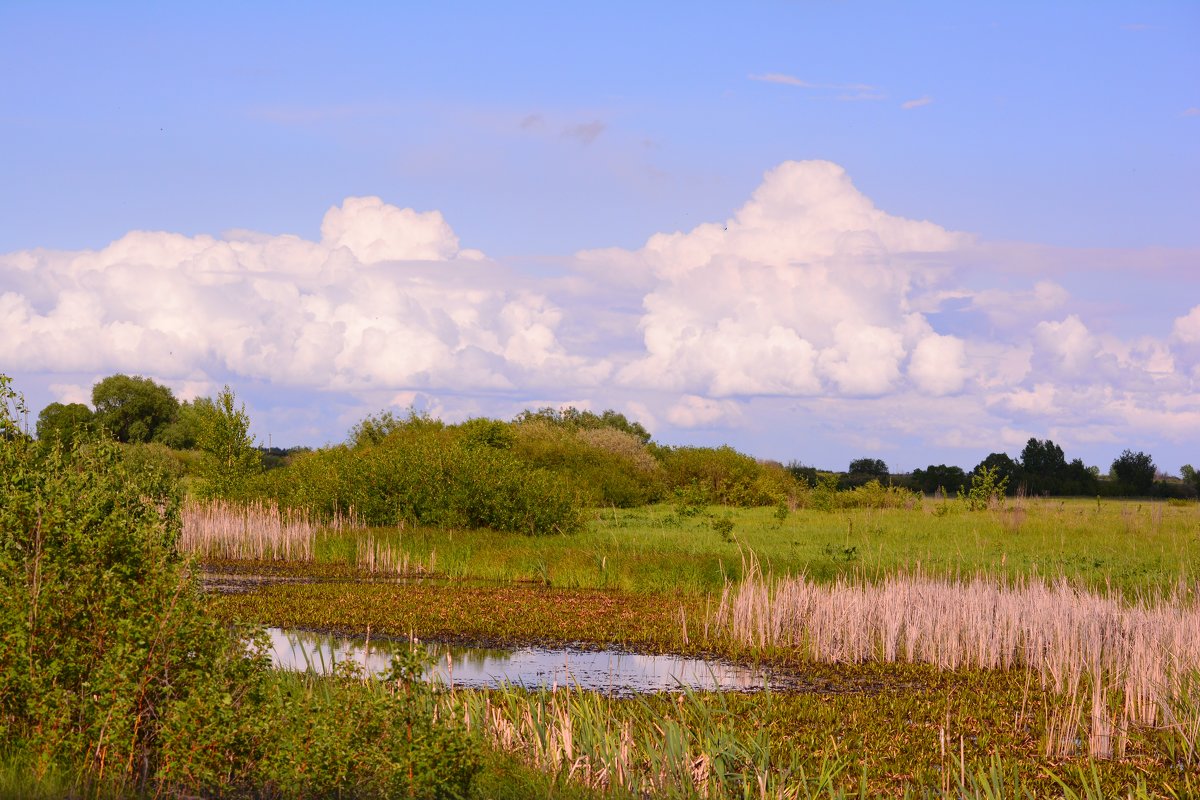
(1187,328)
(374,231)
(702,412)
(908,105)
(938,364)
(791,80)
(807,303)
(386,299)
(586,132)
(802,291)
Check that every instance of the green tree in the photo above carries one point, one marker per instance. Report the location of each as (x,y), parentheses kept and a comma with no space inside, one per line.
(133,409)
(940,476)
(1191,477)
(64,423)
(571,417)
(184,432)
(871,467)
(230,458)
(1134,472)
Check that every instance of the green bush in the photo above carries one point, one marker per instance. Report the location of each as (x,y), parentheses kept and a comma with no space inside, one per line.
(427,475)
(611,467)
(723,476)
(115,680)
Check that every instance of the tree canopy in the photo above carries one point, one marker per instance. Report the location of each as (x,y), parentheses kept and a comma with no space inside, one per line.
(133,408)
(64,423)
(1134,472)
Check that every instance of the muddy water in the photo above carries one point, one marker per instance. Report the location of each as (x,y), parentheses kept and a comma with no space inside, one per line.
(607,671)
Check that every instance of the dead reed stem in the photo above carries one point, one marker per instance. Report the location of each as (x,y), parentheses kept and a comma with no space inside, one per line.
(1138,655)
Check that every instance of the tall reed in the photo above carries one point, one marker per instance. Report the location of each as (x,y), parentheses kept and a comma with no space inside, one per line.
(1143,655)
(258,530)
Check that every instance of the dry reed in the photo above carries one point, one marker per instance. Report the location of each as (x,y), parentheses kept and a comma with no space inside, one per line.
(1142,656)
(263,531)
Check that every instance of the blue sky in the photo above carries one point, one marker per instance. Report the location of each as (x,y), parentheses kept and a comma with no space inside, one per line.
(1052,155)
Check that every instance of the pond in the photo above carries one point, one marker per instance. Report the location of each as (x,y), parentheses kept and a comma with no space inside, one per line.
(608,671)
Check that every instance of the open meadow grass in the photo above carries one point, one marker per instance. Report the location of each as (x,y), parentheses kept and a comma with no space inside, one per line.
(1133,546)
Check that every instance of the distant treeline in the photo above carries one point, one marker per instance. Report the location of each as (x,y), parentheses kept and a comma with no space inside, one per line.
(536,473)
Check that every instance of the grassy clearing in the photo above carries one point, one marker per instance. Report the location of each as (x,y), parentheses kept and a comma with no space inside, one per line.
(1137,547)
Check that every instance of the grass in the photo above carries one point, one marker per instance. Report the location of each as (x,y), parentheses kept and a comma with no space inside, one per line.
(971,714)
(1136,547)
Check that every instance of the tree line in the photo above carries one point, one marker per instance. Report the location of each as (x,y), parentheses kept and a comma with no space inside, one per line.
(137,410)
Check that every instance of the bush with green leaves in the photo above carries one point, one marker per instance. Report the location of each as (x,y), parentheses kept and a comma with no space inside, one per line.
(428,475)
(114,674)
(723,476)
(104,630)
(610,466)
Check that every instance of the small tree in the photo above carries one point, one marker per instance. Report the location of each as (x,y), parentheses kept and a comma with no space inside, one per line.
(872,467)
(1134,472)
(987,487)
(230,457)
(1190,476)
(63,423)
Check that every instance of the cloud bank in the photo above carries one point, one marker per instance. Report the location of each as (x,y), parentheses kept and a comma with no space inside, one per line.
(808,303)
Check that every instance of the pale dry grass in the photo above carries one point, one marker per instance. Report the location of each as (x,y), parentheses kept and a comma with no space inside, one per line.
(259,530)
(1137,661)
(379,557)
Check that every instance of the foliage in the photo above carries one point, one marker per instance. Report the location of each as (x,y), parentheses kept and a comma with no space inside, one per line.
(230,458)
(133,409)
(571,417)
(723,476)
(1045,470)
(115,680)
(869,467)
(939,477)
(986,490)
(1190,477)
(609,466)
(1006,469)
(64,423)
(104,634)
(423,473)
(1134,472)
(374,428)
(186,429)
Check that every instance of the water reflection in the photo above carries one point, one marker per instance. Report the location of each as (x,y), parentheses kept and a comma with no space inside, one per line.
(605,671)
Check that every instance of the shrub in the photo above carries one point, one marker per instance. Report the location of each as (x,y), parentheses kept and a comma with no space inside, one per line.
(723,476)
(113,673)
(427,474)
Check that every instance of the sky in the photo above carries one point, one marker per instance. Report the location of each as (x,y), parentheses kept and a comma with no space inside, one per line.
(814,231)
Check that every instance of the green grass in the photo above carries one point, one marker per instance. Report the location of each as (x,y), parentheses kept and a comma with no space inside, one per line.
(1133,546)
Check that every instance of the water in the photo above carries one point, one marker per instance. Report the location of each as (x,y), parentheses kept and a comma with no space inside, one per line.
(607,671)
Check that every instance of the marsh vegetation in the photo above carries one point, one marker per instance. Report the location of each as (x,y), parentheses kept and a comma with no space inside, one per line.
(974,643)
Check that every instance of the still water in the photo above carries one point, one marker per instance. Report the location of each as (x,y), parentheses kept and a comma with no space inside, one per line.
(607,671)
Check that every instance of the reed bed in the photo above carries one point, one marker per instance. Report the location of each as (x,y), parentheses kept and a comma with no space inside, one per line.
(262,531)
(380,557)
(1114,661)
(633,748)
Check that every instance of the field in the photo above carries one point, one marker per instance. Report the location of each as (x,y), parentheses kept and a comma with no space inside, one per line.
(1093,692)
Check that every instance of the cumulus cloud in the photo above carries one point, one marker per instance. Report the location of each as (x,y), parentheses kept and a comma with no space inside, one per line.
(800,292)
(386,298)
(702,412)
(1187,328)
(808,300)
